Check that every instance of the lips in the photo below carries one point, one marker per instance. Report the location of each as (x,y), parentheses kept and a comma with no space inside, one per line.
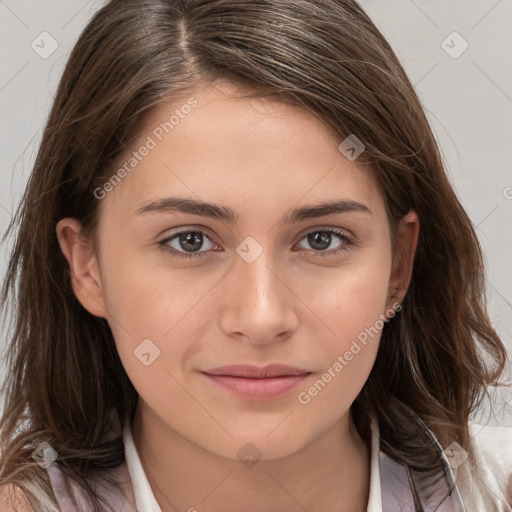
(255,383)
(249,371)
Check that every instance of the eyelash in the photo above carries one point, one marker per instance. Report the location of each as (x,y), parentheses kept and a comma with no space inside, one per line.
(347,240)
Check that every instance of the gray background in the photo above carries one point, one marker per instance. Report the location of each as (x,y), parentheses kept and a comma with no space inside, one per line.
(468,99)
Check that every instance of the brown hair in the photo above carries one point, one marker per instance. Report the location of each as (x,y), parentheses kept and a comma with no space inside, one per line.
(437,357)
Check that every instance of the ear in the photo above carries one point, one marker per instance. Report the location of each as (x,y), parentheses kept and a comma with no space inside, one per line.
(407,240)
(83,264)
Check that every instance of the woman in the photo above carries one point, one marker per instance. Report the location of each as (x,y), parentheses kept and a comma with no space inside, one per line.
(243,279)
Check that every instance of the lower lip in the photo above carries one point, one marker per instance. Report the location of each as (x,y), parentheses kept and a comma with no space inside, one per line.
(258,389)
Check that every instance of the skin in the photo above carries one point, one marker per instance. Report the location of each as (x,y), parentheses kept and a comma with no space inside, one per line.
(291,305)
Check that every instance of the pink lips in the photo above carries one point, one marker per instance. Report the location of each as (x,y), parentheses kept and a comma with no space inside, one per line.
(254,383)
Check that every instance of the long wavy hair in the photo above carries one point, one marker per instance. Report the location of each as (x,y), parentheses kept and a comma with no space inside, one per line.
(437,357)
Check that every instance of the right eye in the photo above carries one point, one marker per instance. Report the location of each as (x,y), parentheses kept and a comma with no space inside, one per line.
(185,240)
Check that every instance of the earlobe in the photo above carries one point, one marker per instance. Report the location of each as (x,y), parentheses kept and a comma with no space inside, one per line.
(83,265)
(407,240)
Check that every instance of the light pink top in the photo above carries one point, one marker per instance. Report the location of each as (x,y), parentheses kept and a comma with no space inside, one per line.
(389,488)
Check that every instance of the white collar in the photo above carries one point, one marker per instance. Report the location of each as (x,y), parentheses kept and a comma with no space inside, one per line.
(375,497)
(145,499)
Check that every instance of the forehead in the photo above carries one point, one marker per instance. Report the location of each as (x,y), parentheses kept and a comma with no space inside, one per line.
(214,145)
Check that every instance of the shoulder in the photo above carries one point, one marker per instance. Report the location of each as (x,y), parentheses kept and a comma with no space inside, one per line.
(493,444)
(13,499)
(492,449)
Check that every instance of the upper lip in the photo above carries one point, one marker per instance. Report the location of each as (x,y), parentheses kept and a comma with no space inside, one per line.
(248,371)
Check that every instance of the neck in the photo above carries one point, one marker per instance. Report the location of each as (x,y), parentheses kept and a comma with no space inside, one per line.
(331,473)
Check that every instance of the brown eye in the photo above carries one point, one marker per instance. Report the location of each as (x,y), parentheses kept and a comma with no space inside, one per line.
(186,243)
(321,239)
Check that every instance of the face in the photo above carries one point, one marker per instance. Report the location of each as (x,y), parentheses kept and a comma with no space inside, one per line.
(188,288)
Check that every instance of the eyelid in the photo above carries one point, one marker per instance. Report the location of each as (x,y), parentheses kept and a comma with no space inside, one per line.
(175,231)
(169,233)
(313,229)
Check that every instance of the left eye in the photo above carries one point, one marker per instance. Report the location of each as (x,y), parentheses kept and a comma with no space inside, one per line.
(193,241)
(323,237)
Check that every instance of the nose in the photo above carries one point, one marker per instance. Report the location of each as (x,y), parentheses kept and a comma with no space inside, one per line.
(258,305)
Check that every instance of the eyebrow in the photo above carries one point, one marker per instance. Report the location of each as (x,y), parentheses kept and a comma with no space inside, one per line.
(227,214)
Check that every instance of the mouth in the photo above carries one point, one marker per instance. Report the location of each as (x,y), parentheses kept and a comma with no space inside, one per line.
(255,383)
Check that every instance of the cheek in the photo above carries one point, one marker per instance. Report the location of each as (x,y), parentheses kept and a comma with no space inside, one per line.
(351,298)
(351,307)
(143,296)
(355,316)
(157,311)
